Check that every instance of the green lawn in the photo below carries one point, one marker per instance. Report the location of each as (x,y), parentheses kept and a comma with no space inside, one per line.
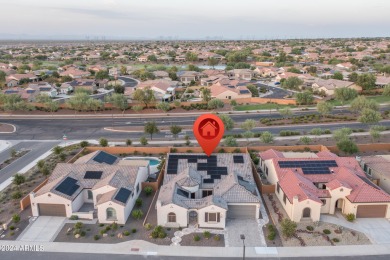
(261,107)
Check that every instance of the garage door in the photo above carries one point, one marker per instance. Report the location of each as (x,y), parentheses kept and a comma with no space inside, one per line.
(241,211)
(371,211)
(52,210)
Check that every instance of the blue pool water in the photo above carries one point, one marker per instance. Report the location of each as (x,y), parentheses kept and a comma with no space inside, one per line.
(153,162)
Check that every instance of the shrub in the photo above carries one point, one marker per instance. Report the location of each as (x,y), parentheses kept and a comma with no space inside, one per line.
(78,225)
(217,237)
(138,202)
(158,232)
(77,231)
(96,237)
(162,235)
(148,226)
(336,240)
(103,231)
(114,226)
(103,142)
(196,238)
(350,217)
(82,233)
(206,234)
(12,233)
(126,233)
(271,232)
(101,225)
(74,217)
(108,228)
(288,227)
(12,227)
(16,195)
(148,190)
(15,218)
(137,214)
(84,144)
(134,230)
(310,228)
(327,231)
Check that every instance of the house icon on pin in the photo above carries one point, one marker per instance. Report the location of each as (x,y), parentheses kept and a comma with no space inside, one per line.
(209,129)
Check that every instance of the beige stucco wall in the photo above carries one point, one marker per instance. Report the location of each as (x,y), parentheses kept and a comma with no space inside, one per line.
(49,198)
(232,95)
(384,181)
(163,211)
(211,209)
(350,207)
(120,213)
(336,194)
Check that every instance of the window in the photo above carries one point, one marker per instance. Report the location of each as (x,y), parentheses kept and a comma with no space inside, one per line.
(90,195)
(206,193)
(212,217)
(193,195)
(284,198)
(369,172)
(138,187)
(278,187)
(266,170)
(111,214)
(323,202)
(171,217)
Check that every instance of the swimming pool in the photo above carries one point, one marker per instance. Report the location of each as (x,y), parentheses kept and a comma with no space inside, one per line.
(153,161)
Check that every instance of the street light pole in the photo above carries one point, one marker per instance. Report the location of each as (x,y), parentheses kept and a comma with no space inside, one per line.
(243,244)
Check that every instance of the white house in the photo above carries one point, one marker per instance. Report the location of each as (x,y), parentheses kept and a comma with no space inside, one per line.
(95,186)
(205,191)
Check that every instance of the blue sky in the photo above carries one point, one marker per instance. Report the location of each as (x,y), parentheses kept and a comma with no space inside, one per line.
(239,19)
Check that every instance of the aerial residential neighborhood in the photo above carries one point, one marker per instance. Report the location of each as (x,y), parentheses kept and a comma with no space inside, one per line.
(194,129)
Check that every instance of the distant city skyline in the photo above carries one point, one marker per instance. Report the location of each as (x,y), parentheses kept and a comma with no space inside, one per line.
(193,19)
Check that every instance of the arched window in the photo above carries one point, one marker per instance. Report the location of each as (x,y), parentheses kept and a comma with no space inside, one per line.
(111,213)
(306,212)
(171,217)
(90,195)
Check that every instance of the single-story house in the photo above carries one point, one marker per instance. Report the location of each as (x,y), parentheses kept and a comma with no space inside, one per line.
(95,186)
(382,81)
(377,168)
(204,191)
(309,184)
(75,73)
(329,85)
(245,74)
(221,91)
(186,77)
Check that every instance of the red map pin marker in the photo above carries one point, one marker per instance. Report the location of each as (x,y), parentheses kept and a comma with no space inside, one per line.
(208,130)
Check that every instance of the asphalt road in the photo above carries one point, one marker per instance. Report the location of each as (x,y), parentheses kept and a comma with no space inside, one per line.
(82,129)
(77,256)
(128,82)
(37,149)
(276,92)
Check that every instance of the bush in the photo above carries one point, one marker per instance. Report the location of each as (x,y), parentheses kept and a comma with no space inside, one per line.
(78,225)
(217,237)
(74,217)
(206,234)
(138,202)
(16,195)
(288,227)
(126,233)
(103,231)
(326,231)
(77,231)
(158,232)
(350,217)
(103,142)
(114,226)
(12,227)
(101,225)
(96,237)
(12,233)
(16,218)
(137,214)
(196,238)
(336,240)
(148,226)
(271,232)
(162,235)
(82,233)
(134,230)
(148,190)
(310,228)
(84,144)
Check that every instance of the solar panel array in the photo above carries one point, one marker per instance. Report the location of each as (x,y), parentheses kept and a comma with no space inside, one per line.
(238,159)
(122,195)
(368,182)
(310,167)
(103,157)
(214,172)
(182,193)
(94,175)
(68,186)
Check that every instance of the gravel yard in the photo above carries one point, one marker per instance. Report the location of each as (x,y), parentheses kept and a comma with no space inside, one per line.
(189,240)
(337,236)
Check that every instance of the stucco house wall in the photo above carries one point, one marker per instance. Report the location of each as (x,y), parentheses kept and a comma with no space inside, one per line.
(102,214)
(211,209)
(49,198)
(163,211)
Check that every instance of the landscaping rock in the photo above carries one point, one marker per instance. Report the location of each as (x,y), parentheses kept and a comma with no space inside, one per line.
(120,235)
(77,236)
(69,230)
(105,235)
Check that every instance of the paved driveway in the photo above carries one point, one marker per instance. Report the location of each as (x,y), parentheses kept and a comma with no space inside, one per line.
(254,236)
(376,229)
(43,229)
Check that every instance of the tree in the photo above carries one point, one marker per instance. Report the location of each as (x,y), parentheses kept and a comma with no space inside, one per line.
(304,98)
(206,94)
(212,61)
(190,56)
(386,91)
(103,142)
(338,75)
(324,108)
(253,89)
(366,81)
(248,124)
(375,134)
(118,88)
(230,141)
(227,121)
(369,116)
(152,58)
(292,83)
(84,144)
(78,102)
(361,102)
(18,179)
(215,104)
(143,140)
(345,94)
(123,70)
(247,135)
(305,140)
(342,133)
(266,137)
(164,106)
(353,77)
(102,74)
(40,164)
(145,96)
(45,170)
(57,150)
(175,130)
(285,112)
(137,108)
(52,106)
(128,142)
(316,131)
(288,227)
(13,153)
(119,101)
(348,146)
(151,128)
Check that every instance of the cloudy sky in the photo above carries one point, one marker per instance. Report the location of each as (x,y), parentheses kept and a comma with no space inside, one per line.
(238,19)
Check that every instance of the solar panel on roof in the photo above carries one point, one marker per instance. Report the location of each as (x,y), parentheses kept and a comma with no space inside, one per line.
(96,175)
(310,167)
(182,193)
(103,157)
(208,180)
(238,159)
(122,195)
(68,186)
(368,182)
